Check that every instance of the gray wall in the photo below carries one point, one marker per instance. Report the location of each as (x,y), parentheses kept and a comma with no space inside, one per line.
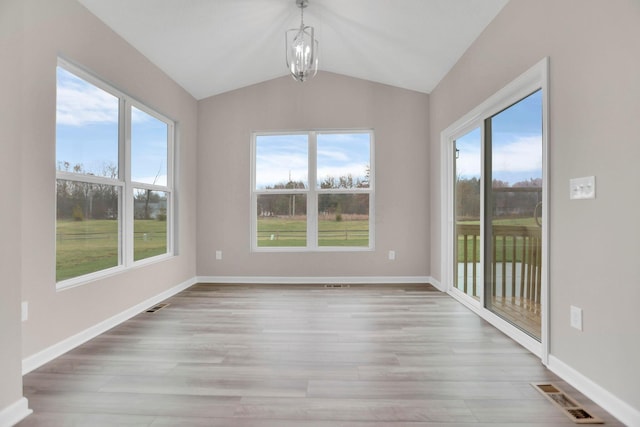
(595,99)
(594,48)
(64,27)
(329,101)
(11,42)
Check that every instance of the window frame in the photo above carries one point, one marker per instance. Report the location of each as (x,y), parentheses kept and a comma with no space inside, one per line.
(126,203)
(312,193)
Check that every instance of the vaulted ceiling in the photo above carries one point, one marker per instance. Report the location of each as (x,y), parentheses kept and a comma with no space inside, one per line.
(214,46)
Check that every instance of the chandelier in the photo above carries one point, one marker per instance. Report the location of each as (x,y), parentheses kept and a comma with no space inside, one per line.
(301,48)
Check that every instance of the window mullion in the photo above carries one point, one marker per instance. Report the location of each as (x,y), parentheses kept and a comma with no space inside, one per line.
(91,179)
(312,198)
(171,199)
(152,187)
(125,170)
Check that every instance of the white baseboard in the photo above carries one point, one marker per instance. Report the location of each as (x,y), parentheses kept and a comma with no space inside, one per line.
(620,409)
(38,359)
(314,280)
(14,413)
(437,284)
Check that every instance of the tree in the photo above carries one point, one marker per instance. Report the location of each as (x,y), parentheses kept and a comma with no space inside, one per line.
(93,200)
(468,198)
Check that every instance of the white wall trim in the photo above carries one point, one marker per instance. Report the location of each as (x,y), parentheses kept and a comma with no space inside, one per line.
(14,413)
(313,280)
(437,284)
(620,409)
(48,354)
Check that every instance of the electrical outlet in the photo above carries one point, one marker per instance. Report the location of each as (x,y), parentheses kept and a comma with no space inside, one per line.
(576,318)
(25,311)
(392,255)
(218,255)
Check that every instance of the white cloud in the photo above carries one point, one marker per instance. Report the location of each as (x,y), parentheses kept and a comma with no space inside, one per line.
(139,116)
(270,177)
(339,156)
(277,168)
(80,103)
(468,163)
(525,154)
(522,155)
(355,169)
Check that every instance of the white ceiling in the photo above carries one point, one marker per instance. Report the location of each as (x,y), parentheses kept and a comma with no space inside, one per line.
(213,46)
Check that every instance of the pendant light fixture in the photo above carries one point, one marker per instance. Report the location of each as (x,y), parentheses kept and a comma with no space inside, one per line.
(301,48)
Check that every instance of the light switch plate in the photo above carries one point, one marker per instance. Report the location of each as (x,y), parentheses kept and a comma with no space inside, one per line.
(582,188)
(576,318)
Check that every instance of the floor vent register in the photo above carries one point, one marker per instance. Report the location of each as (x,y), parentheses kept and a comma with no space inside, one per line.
(570,407)
(157,307)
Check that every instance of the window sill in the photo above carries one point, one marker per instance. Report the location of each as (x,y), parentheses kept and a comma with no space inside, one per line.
(327,249)
(74,282)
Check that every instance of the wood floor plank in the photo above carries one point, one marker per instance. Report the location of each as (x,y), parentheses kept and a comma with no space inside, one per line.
(264,372)
(453,373)
(94,420)
(412,389)
(299,356)
(205,385)
(342,410)
(44,381)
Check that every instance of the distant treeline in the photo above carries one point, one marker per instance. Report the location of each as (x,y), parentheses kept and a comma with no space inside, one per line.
(520,201)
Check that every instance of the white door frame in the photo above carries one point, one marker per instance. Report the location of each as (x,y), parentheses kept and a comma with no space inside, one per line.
(537,77)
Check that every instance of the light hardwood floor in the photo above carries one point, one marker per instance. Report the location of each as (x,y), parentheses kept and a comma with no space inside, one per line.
(283,355)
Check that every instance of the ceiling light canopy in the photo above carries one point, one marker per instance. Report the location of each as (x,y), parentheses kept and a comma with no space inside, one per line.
(301,48)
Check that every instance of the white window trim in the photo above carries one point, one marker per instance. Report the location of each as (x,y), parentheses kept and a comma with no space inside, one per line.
(312,194)
(126,198)
(536,78)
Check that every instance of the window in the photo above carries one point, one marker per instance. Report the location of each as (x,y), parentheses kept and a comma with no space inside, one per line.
(312,191)
(113,179)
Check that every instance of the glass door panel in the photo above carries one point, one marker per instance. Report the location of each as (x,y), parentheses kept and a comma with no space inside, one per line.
(468,166)
(513,211)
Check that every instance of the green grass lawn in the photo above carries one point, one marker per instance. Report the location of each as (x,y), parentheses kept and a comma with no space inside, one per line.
(281,232)
(84,247)
(150,238)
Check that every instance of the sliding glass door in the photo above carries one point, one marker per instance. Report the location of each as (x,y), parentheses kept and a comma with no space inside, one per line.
(467,178)
(513,213)
(495,209)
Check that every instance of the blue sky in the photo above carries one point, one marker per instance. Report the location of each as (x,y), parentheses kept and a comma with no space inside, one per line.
(517,144)
(87,132)
(279,157)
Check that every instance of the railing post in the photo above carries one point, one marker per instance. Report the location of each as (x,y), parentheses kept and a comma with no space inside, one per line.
(464,259)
